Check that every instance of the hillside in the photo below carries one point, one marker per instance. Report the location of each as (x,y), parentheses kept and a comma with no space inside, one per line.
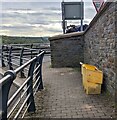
(22,40)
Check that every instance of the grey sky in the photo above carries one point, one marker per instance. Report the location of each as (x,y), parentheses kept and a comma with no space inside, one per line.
(43,0)
(36,18)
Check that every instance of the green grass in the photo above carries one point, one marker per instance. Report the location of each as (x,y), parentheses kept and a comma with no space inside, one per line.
(22,40)
(0,40)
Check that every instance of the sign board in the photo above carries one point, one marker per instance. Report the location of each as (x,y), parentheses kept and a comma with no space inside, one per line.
(72,10)
(98,4)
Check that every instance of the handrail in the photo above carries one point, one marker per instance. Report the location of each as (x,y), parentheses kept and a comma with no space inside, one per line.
(43,46)
(13,56)
(10,54)
(27,63)
(26,89)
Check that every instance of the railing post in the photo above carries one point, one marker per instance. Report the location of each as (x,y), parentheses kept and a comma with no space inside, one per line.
(5,88)
(9,59)
(30,90)
(2,57)
(7,54)
(21,63)
(31,50)
(40,72)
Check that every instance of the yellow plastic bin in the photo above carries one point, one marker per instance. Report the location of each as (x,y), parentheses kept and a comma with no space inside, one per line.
(92,78)
(92,88)
(92,74)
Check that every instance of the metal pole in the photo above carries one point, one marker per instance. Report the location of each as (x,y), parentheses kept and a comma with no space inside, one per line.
(40,72)
(82,11)
(63,17)
(64,26)
(10,58)
(2,57)
(22,75)
(81,25)
(30,91)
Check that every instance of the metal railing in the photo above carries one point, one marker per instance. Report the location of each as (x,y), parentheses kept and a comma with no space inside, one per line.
(14,56)
(25,93)
(40,46)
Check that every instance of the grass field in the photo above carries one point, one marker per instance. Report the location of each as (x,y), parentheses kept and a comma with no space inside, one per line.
(22,40)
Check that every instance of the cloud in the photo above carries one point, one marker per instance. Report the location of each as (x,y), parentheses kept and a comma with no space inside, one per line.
(42,0)
(31,1)
(16,27)
(36,19)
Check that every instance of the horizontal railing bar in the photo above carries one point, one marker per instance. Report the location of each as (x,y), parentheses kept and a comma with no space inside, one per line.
(19,111)
(26,110)
(30,44)
(27,63)
(36,82)
(19,99)
(13,59)
(13,50)
(29,52)
(15,56)
(14,64)
(36,68)
(5,79)
(24,65)
(16,47)
(20,44)
(9,46)
(36,75)
(37,88)
(6,53)
(29,49)
(17,92)
(24,58)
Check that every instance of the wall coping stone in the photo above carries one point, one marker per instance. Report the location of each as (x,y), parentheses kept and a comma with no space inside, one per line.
(66,35)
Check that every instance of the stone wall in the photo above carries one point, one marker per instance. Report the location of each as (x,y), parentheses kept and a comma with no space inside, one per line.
(116,50)
(66,50)
(99,45)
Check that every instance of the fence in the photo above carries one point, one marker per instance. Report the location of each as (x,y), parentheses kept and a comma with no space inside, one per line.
(33,81)
(40,46)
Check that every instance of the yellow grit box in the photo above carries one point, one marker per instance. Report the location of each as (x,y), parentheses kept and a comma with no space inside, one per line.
(91,73)
(92,79)
(92,88)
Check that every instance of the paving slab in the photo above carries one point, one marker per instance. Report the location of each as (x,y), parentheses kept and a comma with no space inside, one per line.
(64,97)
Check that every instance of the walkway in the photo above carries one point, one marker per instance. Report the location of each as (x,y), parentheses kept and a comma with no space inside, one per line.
(64,97)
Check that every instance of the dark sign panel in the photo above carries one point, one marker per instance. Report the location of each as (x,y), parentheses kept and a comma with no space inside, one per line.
(72,10)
